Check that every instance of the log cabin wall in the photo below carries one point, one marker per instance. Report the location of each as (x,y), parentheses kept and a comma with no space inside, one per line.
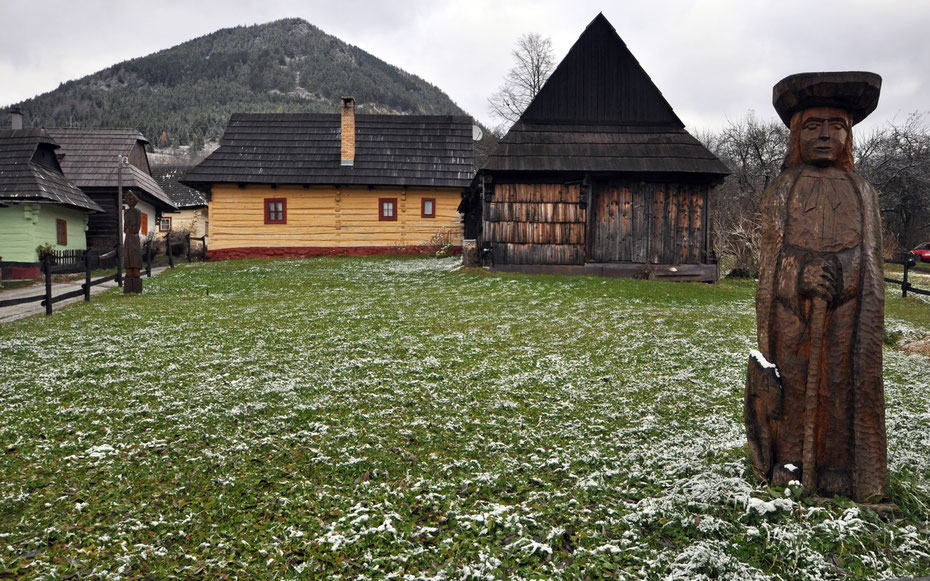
(535,224)
(625,222)
(649,223)
(328,217)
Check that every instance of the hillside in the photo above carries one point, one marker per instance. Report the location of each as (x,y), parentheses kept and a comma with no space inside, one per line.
(184,95)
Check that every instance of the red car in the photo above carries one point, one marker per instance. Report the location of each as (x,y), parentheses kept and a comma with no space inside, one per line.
(923,251)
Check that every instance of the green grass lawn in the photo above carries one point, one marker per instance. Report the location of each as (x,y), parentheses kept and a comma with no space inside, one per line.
(377,417)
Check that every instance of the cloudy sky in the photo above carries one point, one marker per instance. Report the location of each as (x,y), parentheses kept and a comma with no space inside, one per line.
(713,60)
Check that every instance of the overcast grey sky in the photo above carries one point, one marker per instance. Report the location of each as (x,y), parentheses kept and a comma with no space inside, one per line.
(713,59)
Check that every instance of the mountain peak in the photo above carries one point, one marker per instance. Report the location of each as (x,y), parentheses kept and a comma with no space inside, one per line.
(185,94)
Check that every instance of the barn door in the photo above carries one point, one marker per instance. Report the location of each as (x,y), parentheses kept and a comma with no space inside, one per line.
(642,222)
(610,235)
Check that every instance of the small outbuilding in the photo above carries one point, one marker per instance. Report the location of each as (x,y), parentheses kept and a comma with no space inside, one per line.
(193,211)
(294,184)
(597,176)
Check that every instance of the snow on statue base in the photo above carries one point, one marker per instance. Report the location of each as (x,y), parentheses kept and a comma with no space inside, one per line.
(816,413)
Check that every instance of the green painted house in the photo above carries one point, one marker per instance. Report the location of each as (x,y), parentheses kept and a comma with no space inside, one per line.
(38,204)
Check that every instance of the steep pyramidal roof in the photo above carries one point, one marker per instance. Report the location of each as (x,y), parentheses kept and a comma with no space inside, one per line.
(600,81)
(600,112)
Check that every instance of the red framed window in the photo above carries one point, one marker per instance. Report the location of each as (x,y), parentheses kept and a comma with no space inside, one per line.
(61,229)
(144,230)
(275,210)
(428,208)
(164,224)
(387,209)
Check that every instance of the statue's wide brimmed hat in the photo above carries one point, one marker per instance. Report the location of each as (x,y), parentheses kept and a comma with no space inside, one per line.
(853,91)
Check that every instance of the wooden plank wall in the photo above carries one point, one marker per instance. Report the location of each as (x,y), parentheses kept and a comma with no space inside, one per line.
(329,217)
(535,224)
(101,228)
(656,223)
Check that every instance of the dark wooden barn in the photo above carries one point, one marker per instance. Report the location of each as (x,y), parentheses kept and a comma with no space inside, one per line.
(597,176)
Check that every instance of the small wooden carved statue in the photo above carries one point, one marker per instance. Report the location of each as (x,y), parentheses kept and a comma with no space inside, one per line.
(132,247)
(814,406)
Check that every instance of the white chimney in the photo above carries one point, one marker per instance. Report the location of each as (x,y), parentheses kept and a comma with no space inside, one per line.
(16,118)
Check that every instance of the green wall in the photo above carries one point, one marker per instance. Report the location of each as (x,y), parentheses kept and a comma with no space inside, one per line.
(23,227)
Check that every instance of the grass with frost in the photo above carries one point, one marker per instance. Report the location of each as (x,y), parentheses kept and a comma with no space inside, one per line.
(398,417)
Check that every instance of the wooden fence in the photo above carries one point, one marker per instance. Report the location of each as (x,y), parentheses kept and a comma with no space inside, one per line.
(49,267)
(909,261)
(72,261)
(169,250)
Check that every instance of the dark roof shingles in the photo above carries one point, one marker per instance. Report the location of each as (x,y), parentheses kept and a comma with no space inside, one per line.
(395,150)
(167,177)
(611,148)
(90,160)
(24,180)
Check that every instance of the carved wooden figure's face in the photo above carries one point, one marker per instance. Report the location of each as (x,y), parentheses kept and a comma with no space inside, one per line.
(824,131)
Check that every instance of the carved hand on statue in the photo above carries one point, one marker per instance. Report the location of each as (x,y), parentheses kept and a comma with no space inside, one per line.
(821,277)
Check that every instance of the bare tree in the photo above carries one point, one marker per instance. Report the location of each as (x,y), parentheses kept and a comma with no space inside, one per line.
(896,160)
(533,63)
(754,151)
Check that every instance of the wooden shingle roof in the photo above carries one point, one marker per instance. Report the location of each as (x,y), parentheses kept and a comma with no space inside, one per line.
(600,112)
(183,196)
(29,171)
(304,149)
(90,161)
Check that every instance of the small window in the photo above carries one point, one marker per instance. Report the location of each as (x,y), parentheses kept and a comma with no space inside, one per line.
(61,228)
(144,230)
(387,208)
(164,224)
(428,208)
(275,210)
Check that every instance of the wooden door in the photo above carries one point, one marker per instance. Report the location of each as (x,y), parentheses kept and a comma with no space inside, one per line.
(611,232)
(658,223)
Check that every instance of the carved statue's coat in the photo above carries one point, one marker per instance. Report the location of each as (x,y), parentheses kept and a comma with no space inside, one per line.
(849,431)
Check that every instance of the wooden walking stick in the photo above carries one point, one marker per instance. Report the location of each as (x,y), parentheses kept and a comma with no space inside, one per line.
(814,367)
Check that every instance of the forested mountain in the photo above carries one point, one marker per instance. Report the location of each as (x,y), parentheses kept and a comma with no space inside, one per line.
(185,95)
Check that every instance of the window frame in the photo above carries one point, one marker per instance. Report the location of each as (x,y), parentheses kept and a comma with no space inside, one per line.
(161,221)
(381,215)
(61,232)
(423,202)
(269,219)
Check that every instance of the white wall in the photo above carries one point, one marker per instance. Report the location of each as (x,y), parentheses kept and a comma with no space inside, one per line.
(148,210)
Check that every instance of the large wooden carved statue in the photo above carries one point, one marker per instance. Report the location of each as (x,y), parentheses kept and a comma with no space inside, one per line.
(814,406)
(132,247)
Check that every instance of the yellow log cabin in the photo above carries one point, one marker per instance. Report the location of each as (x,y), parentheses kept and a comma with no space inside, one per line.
(309,184)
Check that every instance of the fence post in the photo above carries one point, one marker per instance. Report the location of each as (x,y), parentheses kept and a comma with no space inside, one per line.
(904,283)
(203,248)
(168,249)
(187,238)
(87,276)
(47,267)
(148,257)
(119,265)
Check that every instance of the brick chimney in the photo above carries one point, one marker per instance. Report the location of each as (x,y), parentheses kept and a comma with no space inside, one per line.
(348,131)
(16,118)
